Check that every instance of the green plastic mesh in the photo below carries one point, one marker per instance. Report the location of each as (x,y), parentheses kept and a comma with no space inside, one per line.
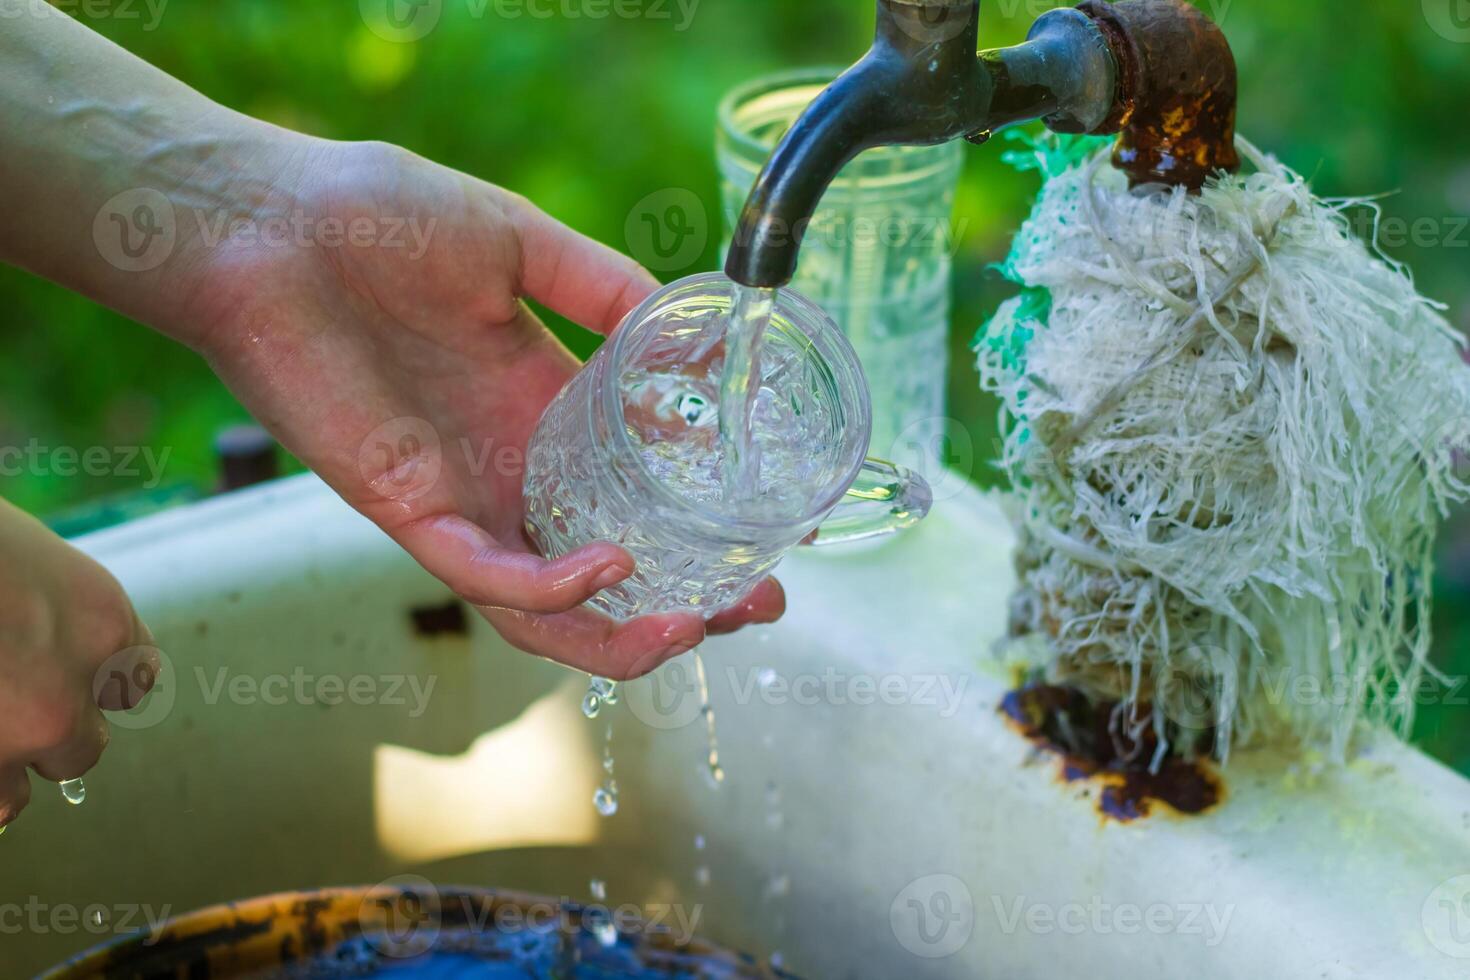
(1231,430)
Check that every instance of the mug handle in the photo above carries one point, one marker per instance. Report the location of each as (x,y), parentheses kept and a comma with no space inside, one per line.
(885,498)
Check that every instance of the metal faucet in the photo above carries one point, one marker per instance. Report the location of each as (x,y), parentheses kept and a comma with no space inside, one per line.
(1157,71)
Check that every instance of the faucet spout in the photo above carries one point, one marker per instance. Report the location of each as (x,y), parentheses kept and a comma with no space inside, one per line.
(1157,70)
(923,82)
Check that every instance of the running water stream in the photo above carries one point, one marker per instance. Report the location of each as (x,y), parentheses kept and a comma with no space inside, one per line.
(750,314)
(739,472)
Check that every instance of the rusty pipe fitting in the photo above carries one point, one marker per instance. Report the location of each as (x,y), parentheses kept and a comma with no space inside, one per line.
(1177,89)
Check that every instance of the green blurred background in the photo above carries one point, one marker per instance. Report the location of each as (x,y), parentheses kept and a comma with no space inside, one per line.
(588,115)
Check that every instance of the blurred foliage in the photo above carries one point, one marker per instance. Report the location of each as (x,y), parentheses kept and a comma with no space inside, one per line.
(588,115)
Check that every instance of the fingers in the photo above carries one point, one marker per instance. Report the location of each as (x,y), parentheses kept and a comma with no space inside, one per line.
(472,563)
(122,682)
(623,651)
(583,280)
(597,645)
(765,604)
(77,751)
(15,793)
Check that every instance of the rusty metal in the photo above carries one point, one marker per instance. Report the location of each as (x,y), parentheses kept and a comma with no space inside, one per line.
(340,932)
(1177,90)
(1067,724)
(1159,71)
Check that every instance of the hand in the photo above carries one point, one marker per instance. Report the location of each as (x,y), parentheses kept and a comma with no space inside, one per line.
(413,335)
(63,619)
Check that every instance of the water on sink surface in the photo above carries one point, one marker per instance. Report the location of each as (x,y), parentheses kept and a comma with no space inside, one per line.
(594,952)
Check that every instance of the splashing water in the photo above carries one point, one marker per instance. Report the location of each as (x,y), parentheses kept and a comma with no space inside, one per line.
(600,692)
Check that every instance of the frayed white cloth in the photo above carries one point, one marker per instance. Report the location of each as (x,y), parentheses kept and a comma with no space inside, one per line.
(1232,431)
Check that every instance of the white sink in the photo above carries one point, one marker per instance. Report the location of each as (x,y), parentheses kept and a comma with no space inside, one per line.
(877,818)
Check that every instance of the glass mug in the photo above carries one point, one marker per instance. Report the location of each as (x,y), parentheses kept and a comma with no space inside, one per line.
(628,453)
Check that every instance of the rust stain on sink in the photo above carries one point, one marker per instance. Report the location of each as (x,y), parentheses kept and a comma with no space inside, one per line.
(449,619)
(1061,722)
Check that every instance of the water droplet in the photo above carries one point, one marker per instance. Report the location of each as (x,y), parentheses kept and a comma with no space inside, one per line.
(600,691)
(606,799)
(97,917)
(778,886)
(778,962)
(699,842)
(606,933)
(774,817)
(766,678)
(599,889)
(701,876)
(74,792)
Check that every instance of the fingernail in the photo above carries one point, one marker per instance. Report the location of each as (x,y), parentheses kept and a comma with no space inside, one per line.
(760,612)
(610,576)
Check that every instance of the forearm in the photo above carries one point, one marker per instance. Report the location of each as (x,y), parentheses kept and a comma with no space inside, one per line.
(117,178)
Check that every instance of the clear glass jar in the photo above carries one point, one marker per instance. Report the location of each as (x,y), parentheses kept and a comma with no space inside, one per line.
(627,452)
(877,257)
